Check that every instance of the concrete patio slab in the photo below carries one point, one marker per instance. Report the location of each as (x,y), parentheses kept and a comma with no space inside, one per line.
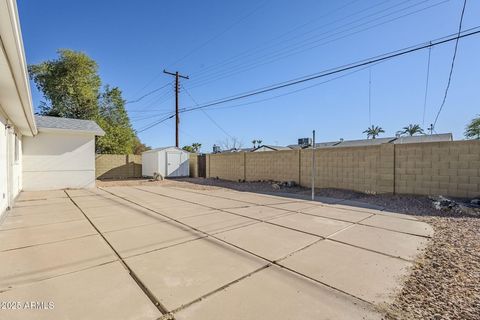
(23,221)
(340,214)
(184,273)
(401,225)
(35,210)
(197,198)
(266,240)
(217,221)
(393,243)
(41,202)
(86,294)
(249,197)
(312,224)
(185,210)
(31,264)
(260,212)
(48,255)
(24,237)
(364,274)
(296,205)
(126,220)
(38,195)
(273,294)
(137,240)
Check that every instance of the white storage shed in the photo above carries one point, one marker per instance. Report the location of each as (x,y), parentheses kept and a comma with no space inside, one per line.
(61,155)
(167,161)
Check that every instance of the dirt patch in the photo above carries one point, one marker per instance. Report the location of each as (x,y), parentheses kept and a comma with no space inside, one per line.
(445,280)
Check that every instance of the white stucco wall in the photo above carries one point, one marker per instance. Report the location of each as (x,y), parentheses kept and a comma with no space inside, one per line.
(3,166)
(58,160)
(10,168)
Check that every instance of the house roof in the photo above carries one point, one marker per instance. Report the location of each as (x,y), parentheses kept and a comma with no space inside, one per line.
(424,138)
(164,148)
(275,148)
(15,95)
(364,142)
(237,150)
(47,123)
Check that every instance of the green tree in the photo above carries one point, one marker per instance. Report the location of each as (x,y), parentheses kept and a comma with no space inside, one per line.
(472,131)
(112,116)
(188,148)
(373,131)
(139,147)
(412,129)
(70,85)
(194,148)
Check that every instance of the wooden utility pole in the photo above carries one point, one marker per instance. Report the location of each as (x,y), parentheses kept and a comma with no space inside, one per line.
(177,89)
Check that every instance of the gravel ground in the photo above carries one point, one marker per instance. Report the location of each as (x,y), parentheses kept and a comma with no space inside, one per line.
(445,280)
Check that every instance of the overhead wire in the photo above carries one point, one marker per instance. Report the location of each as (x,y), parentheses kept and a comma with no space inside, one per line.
(343,68)
(202,45)
(452,65)
(207,115)
(426,86)
(304,46)
(366,62)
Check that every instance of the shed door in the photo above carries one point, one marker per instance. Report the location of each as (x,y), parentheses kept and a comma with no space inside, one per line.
(173,164)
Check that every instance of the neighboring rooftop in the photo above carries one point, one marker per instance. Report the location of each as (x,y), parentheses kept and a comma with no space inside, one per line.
(425,138)
(271,147)
(66,124)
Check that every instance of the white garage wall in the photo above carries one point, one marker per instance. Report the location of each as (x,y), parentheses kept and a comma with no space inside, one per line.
(58,160)
(3,166)
(10,165)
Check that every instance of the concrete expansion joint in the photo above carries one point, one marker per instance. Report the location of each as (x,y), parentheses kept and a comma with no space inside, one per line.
(270,262)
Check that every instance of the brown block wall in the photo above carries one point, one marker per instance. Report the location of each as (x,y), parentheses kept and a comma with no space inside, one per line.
(446,168)
(227,166)
(272,165)
(193,165)
(353,168)
(118,166)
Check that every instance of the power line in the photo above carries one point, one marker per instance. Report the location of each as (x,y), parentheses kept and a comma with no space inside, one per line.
(202,45)
(220,33)
(256,49)
(306,45)
(365,62)
(147,94)
(207,115)
(451,67)
(426,87)
(151,125)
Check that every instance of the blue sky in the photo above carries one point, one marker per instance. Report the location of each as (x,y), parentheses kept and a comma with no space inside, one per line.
(229,47)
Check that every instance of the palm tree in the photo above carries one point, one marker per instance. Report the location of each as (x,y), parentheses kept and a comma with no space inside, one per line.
(412,129)
(254,143)
(373,131)
(473,129)
(196,146)
(259,142)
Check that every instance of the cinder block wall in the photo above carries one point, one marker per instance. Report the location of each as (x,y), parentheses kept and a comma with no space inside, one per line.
(227,166)
(447,168)
(364,169)
(273,165)
(118,166)
(193,164)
